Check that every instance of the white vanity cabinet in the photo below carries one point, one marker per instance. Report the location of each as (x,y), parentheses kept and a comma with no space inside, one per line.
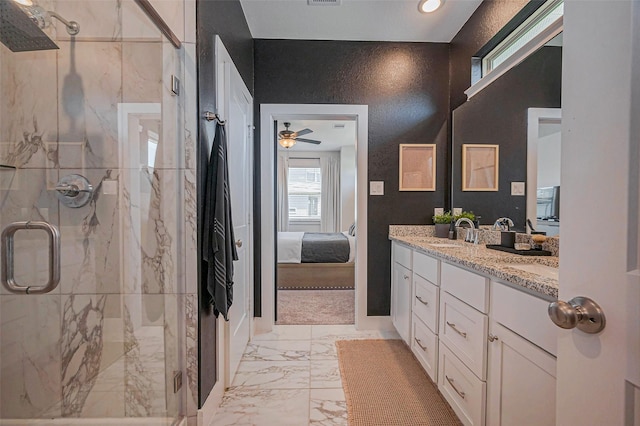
(521,387)
(401,280)
(425,308)
(463,342)
(488,345)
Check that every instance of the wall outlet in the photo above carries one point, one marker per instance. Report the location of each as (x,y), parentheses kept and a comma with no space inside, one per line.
(457,211)
(517,188)
(438,211)
(376,187)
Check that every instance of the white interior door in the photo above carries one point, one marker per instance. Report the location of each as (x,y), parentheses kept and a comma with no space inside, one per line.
(598,374)
(238,112)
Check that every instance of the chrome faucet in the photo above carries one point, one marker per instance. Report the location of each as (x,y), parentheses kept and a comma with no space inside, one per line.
(503,224)
(472,233)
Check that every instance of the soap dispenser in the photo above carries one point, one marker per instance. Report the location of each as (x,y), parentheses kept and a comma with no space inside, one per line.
(453,233)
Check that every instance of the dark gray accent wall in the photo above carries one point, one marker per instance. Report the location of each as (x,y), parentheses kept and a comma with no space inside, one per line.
(405,85)
(226,19)
(498,115)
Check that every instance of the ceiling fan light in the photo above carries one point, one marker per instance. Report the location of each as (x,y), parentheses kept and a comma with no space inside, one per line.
(428,6)
(287,142)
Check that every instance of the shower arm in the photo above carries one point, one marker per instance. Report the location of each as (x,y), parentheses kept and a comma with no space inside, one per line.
(72,26)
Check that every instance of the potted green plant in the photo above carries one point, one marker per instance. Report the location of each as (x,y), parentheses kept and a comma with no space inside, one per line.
(442,223)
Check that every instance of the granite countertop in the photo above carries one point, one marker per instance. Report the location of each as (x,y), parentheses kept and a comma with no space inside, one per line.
(480,259)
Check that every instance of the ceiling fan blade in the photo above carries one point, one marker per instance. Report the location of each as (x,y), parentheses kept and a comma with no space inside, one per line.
(302,132)
(308,141)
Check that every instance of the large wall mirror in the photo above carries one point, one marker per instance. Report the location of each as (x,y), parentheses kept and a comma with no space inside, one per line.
(499,115)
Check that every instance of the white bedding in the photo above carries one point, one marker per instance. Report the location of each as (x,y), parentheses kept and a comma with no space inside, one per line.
(290,247)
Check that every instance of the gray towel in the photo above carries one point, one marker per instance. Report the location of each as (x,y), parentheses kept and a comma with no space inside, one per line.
(219,250)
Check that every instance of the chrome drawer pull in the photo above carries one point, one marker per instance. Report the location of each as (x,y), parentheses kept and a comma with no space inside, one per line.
(406,277)
(492,337)
(462,333)
(424,302)
(462,394)
(424,348)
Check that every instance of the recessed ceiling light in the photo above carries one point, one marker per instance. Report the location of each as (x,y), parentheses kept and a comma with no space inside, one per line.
(428,6)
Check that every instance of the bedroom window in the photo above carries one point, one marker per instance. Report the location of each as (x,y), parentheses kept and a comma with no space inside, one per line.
(304,189)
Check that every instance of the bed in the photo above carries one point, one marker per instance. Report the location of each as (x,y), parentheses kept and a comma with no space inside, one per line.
(309,260)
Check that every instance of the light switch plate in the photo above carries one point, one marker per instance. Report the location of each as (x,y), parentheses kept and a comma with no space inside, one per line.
(376,187)
(438,211)
(517,188)
(457,211)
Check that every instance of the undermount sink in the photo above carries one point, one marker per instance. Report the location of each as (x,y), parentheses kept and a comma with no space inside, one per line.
(535,268)
(444,245)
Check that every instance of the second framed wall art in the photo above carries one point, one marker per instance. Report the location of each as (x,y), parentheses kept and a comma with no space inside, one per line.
(480,164)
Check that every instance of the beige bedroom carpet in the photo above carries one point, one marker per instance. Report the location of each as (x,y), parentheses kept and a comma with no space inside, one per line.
(385,385)
(316,307)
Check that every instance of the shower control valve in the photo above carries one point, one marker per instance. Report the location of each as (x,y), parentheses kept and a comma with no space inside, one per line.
(74,191)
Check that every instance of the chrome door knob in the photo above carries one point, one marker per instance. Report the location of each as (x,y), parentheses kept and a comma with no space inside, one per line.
(580,312)
(238,243)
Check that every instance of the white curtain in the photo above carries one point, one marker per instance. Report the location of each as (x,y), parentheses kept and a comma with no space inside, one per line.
(331,208)
(283,192)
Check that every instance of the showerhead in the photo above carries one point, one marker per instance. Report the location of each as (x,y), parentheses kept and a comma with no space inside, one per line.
(18,32)
(21,26)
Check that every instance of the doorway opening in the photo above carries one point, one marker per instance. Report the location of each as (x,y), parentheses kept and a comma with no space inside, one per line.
(299,117)
(315,221)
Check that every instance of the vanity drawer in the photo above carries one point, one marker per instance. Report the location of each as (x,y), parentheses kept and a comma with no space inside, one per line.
(464,330)
(461,388)
(402,255)
(525,314)
(425,347)
(425,302)
(426,267)
(469,287)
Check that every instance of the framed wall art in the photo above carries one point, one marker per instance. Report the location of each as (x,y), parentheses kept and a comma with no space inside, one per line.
(417,167)
(480,167)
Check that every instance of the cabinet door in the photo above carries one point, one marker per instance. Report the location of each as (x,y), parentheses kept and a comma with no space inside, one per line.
(401,301)
(521,387)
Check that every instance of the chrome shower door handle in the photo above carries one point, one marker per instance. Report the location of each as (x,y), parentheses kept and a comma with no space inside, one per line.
(7,275)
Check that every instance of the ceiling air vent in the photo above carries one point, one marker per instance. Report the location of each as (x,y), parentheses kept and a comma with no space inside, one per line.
(324,2)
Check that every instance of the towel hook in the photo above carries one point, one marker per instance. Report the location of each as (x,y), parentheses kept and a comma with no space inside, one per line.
(211,116)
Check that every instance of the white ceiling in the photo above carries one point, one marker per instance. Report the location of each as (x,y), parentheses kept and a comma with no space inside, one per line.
(357,20)
(332,138)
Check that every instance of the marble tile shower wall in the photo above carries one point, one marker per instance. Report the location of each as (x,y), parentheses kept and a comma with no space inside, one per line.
(109,339)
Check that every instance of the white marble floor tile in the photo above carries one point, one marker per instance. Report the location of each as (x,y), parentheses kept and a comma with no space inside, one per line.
(325,374)
(286,332)
(278,350)
(341,332)
(328,407)
(323,349)
(265,407)
(272,375)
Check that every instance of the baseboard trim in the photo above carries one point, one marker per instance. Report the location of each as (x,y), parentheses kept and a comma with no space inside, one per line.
(382,323)
(208,411)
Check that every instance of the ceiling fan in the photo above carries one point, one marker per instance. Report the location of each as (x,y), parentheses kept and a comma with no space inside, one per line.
(288,138)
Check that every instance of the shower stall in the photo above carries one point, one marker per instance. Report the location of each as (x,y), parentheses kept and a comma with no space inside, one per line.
(94,162)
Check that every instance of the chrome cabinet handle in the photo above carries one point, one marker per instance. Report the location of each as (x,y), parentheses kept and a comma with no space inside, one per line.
(451,382)
(453,326)
(7,276)
(580,312)
(239,243)
(424,302)
(406,277)
(424,348)
(492,337)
